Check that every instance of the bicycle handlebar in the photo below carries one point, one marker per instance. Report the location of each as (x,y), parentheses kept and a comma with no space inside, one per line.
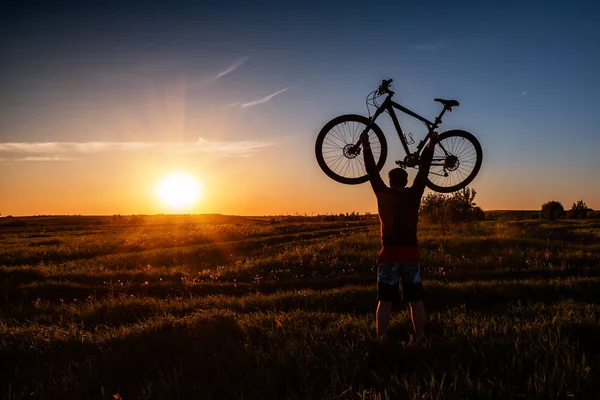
(385,86)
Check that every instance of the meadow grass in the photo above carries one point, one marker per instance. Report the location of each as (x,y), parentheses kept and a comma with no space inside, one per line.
(268,308)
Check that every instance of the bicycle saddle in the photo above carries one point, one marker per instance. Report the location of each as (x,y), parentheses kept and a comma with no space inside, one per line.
(448,103)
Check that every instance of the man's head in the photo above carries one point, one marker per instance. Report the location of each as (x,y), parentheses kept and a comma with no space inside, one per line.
(398,178)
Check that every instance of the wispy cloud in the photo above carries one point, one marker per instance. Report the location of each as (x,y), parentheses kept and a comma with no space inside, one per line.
(230,148)
(264,99)
(70,147)
(73,151)
(430,47)
(44,159)
(209,80)
(524,93)
(232,105)
(232,67)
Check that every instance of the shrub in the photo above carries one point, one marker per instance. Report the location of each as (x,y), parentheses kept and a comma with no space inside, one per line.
(452,208)
(433,208)
(579,210)
(553,210)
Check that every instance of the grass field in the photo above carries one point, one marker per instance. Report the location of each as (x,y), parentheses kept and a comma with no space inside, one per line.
(214,307)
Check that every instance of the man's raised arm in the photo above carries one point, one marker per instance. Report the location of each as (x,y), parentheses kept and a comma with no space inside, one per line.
(426,157)
(376,181)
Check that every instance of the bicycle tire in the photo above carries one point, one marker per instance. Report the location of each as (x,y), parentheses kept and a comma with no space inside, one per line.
(336,142)
(451,138)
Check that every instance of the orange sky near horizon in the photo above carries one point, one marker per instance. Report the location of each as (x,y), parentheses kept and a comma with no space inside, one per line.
(275,180)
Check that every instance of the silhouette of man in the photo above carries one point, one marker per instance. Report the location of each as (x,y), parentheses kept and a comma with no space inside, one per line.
(400,259)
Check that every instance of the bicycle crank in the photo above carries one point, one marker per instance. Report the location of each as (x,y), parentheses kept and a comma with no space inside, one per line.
(401,164)
(411,160)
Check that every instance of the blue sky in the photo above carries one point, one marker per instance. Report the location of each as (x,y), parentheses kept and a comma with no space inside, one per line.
(524,72)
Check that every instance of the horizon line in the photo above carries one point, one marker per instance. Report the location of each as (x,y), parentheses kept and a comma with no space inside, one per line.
(313,214)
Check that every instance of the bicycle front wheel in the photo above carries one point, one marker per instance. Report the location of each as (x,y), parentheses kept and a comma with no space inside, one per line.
(456,161)
(334,142)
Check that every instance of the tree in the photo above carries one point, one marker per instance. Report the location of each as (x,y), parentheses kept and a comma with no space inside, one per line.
(579,210)
(553,210)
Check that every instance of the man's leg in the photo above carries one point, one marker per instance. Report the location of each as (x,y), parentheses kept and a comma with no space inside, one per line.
(417,314)
(412,287)
(384,309)
(388,279)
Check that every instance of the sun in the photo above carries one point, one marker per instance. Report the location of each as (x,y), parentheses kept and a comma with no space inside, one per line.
(179,190)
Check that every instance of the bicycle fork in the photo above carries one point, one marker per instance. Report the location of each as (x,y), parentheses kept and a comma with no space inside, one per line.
(355,149)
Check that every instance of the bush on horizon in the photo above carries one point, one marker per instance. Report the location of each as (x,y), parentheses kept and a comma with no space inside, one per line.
(451,208)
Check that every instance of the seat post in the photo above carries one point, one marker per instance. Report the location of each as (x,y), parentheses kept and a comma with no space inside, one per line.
(438,119)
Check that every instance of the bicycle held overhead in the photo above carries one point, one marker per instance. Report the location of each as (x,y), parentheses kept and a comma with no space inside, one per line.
(457,156)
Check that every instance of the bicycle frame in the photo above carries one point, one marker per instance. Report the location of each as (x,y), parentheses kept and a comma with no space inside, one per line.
(389,105)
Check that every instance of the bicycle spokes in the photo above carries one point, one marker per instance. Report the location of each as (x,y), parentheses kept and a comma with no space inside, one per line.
(340,152)
(453,161)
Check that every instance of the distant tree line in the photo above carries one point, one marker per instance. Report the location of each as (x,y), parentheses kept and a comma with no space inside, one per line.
(353,216)
(553,210)
(460,207)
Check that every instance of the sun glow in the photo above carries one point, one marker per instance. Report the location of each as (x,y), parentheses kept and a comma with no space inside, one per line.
(179,191)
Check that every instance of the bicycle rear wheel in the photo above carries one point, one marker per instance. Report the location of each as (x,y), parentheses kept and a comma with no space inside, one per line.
(456,161)
(334,141)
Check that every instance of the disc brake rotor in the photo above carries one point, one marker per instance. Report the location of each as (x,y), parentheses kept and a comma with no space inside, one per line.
(348,153)
(451,163)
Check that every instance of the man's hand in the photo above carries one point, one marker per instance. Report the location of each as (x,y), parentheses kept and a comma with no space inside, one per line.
(426,158)
(364,139)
